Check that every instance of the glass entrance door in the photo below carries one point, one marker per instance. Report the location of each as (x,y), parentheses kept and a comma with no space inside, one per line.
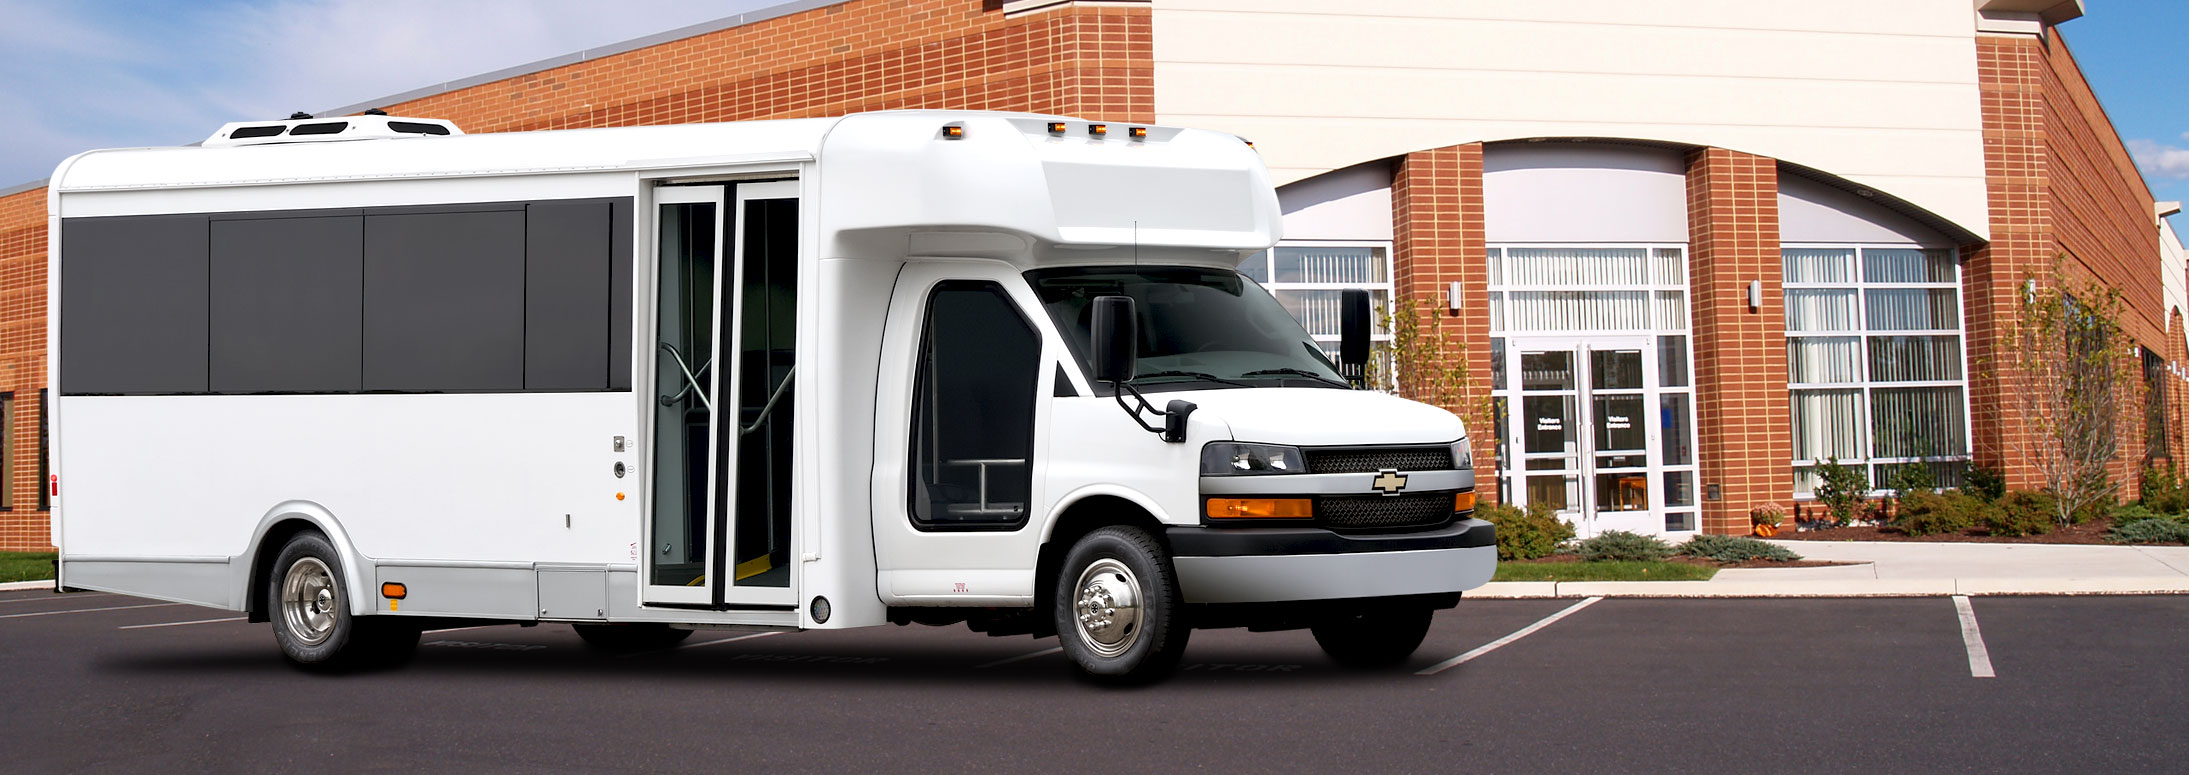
(725,310)
(1589,428)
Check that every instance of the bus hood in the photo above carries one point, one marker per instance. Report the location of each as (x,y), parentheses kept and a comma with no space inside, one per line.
(1321,416)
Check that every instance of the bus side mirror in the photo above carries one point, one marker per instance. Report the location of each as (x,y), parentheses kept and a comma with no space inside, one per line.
(1353,332)
(1115,334)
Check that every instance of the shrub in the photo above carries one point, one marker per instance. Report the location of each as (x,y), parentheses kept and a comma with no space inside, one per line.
(1622,545)
(1911,477)
(2165,490)
(1926,513)
(2136,512)
(2149,531)
(1986,484)
(1768,515)
(2021,513)
(1841,489)
(1525,535)
(1731,549)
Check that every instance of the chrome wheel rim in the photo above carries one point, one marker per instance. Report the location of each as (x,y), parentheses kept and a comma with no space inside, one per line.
(308,601)
(1107,607)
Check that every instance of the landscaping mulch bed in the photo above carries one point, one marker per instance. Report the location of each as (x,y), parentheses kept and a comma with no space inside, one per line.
(1558,558)
(2092,532)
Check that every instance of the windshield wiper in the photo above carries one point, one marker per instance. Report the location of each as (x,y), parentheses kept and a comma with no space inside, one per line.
(1298,373)
(1200,375)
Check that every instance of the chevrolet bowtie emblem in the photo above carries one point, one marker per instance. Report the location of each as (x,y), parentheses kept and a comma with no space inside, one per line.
(1388,481)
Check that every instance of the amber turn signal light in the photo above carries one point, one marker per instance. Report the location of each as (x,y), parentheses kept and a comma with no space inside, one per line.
(393,591)
(1463,501)
(1260,508)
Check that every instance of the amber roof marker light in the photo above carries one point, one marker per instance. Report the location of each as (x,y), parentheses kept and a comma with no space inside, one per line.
(1056,127)
(1098,130)
(1137,133)
(953,131)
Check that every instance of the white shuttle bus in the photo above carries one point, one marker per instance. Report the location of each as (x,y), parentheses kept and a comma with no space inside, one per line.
(362,376)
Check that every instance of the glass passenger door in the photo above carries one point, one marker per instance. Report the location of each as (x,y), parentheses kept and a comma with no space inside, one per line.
(719,529)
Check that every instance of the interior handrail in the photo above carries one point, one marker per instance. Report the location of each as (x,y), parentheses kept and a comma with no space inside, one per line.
(691,380)
(769,408)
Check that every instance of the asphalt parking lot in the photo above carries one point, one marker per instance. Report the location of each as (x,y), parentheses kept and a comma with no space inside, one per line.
(105,683)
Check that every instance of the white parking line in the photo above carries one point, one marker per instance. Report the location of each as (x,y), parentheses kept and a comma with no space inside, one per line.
(707,643)
(1973,638)
(179,624)
(1500,642)
(88,610)
(76,595)
(1008,660)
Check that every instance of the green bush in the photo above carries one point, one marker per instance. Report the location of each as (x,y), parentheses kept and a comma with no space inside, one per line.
(1841,488)
(2165,490)
(2149,531)
(1986,484)
(2136,512)
(1926,513)
(1525,535)
(2021,513)
(1622,545)
(1731,549)
(1911,477)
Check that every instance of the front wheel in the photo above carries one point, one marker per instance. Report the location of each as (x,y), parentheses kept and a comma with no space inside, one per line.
(1118,608)
(311,614)
(1374,636)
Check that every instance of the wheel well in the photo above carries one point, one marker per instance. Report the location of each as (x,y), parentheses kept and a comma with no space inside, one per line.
(1086,516)
(262,560)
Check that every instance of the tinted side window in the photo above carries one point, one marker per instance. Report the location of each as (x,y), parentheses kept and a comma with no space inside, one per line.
(566,288)
(133,305)
(287,295)
(973,409)
(444,301)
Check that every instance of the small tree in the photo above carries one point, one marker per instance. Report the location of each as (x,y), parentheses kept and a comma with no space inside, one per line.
(1423,362)
(2068,373)
(1841,489)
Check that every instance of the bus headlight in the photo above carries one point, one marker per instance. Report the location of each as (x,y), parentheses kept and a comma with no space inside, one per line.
(1463,455)
(1230,458)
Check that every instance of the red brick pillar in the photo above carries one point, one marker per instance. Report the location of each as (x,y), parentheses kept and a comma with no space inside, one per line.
(1436,211)
(1742,423)
(2010,72)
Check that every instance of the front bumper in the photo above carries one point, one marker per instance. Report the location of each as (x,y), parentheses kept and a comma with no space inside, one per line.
(1266,565)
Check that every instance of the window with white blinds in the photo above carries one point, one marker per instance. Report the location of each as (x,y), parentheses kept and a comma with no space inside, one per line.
(1875,369)
(1587,289)
(1308,278)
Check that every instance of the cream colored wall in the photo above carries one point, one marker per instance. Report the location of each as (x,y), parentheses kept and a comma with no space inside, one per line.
(1882,92)
(2174,267)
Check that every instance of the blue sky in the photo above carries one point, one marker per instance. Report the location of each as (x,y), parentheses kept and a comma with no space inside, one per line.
(80,74)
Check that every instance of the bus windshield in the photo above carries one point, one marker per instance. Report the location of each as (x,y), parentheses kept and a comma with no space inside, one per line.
(1199,328)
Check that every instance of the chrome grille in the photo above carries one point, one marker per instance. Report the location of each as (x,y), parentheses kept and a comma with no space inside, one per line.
(1355,460)
(1383,512)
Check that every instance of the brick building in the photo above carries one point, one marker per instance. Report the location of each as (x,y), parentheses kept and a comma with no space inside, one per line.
(1692,248)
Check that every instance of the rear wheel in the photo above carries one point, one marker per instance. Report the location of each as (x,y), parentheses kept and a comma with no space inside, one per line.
(625,638)
(1374,635)
(308,601)
(1118,608)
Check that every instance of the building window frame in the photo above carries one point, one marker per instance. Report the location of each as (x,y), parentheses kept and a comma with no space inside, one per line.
(1865,385)
(1380,292)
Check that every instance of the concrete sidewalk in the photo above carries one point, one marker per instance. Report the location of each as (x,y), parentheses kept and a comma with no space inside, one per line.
(1907,568)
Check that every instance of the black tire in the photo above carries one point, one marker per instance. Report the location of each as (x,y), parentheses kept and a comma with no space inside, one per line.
(1374,635)
(1105,567)
(626,638)
(321,632)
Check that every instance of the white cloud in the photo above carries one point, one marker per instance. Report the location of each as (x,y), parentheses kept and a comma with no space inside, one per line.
(2161,161)
(81,75)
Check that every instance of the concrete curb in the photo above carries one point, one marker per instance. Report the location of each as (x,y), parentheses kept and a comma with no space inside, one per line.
(1833,588)
(20,585)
